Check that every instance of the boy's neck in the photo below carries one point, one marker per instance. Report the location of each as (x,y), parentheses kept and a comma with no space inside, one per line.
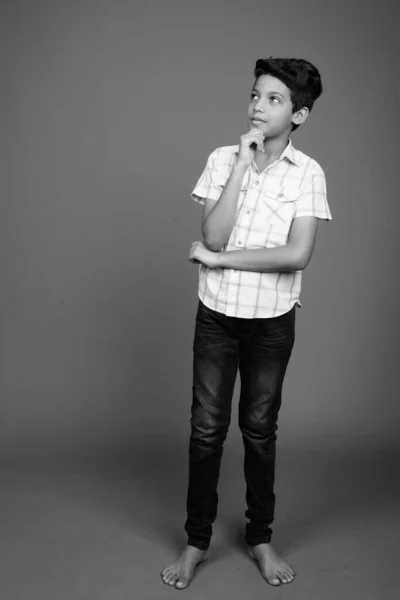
(273,147)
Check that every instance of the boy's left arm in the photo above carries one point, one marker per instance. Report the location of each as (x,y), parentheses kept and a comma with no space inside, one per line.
(293,256)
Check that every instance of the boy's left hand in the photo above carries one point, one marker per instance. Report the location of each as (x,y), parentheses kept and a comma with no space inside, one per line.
(200,254)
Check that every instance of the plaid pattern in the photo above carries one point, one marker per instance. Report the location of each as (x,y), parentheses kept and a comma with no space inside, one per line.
(294,186)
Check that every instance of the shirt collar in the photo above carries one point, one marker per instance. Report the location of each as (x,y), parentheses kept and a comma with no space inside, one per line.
(289,153)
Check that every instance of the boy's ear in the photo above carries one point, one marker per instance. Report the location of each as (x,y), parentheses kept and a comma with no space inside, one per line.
(300,116)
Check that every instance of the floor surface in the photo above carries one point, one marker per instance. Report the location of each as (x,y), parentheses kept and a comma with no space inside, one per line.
(105,532)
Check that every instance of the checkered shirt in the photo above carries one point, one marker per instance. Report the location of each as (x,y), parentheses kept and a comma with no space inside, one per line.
(293,186)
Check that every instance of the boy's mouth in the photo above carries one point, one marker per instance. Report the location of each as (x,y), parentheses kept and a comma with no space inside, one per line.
(257,120)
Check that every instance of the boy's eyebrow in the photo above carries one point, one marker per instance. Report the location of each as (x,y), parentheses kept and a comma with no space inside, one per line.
(271,92)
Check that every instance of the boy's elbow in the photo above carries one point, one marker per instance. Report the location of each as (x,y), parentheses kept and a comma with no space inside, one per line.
(214,247)
(300,266)
(211,243)
(301,261)
(297,259)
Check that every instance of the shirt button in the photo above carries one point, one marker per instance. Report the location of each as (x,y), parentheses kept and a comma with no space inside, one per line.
(257,183)
(248,212)
(239,242)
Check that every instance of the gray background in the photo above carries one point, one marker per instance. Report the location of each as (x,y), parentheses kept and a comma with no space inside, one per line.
(109,111)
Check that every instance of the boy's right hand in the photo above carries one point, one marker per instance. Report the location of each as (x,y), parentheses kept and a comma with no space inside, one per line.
(249,143)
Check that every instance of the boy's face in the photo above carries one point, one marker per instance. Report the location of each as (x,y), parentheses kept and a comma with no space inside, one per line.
(270,107)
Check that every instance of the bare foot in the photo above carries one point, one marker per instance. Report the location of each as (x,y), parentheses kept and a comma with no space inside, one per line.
(181,571)
(273,568)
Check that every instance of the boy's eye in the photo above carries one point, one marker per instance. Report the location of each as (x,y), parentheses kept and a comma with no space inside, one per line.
(275,99)
(253,95)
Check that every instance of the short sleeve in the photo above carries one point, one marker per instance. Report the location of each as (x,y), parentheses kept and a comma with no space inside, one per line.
(208,185)
(312,201)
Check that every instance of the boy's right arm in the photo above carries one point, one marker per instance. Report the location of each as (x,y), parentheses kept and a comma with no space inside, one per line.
(219,216)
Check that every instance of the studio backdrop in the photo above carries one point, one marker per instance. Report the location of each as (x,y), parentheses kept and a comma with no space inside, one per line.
(109,111)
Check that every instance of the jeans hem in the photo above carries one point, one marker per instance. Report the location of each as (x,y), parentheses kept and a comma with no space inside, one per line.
(203,546)
(258,541)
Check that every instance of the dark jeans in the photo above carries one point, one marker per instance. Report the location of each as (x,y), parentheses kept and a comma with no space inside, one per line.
(260,349)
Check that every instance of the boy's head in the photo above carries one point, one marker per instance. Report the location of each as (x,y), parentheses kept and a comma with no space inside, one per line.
(297,84)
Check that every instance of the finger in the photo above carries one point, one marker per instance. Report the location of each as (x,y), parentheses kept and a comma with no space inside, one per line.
(256,137)
(254,134)
(257,131)
(258,141)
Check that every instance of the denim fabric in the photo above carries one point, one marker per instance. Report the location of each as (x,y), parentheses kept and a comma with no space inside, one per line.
(260,349)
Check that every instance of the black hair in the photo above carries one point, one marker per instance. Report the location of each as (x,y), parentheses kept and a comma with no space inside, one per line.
(300,76)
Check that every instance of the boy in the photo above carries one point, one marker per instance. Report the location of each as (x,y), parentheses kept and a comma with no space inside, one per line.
(262,201)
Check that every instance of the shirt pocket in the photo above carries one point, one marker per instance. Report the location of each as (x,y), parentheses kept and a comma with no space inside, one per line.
(277,209)
(278,205)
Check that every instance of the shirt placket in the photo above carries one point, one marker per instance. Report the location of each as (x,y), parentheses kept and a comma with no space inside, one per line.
(255,181)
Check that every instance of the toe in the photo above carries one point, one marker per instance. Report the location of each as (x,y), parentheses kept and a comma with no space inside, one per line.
(169,574)
(273,580)
(182,583)
(289,573)
(171,578)
(287,576)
